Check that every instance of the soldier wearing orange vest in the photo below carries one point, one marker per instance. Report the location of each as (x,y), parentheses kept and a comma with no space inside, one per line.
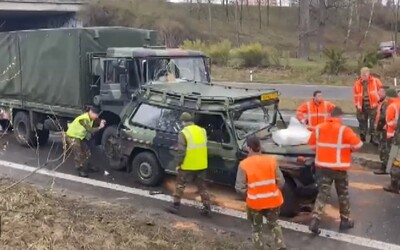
(315,111)
(366,100)
(261,180)
(333,143)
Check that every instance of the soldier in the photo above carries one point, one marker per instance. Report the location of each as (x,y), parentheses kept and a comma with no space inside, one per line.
(366,101)
(79,133)
(192,163)
(333,143)
(261,180)
(380,128)
(315,111)
(394,185)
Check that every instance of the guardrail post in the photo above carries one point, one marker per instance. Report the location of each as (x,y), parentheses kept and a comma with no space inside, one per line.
(395,81)
(251,75)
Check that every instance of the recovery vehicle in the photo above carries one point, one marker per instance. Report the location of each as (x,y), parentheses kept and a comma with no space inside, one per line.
(145,141)
(50,76)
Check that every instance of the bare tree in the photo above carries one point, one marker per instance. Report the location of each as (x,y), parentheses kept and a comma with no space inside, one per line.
(198,8)
(267,12)
(369,23)
(241,14)
(396,28)
(351,11)
(210,17)
(237,22)
(259,13)
(304,26)
(322,16)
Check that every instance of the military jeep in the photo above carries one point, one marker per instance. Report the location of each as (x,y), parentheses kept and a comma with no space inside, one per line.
(145,141)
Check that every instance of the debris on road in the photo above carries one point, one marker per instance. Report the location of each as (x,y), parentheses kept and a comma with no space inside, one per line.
(34,219)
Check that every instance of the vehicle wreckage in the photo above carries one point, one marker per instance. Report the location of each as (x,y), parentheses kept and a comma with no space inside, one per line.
(145,141)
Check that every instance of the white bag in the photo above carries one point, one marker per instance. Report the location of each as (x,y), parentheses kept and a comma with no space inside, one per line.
(295,134)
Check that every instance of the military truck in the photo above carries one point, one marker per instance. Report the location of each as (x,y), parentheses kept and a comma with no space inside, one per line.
(145,141)
(50,76)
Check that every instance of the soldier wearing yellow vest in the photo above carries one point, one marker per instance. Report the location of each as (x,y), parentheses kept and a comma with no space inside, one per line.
(192,163)
(78,135)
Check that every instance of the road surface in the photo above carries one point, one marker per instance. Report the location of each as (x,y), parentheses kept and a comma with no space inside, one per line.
(376,212)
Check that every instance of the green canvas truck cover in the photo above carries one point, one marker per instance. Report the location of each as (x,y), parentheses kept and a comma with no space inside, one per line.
(50,67)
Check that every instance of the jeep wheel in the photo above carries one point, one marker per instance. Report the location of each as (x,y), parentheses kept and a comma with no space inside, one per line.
(109,141)
(291,206)
(146,169)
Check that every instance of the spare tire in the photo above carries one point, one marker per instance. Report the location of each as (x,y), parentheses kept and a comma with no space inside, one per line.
(291,205)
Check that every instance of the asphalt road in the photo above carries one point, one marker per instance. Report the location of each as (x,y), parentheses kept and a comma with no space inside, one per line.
(376,212)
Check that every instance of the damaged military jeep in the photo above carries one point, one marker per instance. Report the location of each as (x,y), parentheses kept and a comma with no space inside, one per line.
(145,141)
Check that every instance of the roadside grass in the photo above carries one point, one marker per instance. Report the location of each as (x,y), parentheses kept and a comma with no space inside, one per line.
(37,219)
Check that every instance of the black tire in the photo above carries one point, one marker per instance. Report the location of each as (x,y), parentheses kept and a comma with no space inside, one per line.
(23,132)
(291,205)
(146,169)
(108,140)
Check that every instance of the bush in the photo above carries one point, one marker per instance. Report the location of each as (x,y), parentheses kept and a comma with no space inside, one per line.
(195,45)
(369,60)
(220,52)
(336,61)
(251,55)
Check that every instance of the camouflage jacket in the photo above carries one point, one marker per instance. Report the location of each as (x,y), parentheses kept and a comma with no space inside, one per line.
(381,116)
(91,130)
(241,180)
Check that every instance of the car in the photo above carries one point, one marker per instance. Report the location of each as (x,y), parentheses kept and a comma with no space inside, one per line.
(145,141)
(386,49)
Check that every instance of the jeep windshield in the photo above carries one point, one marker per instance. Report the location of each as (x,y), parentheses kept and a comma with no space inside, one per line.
(252,120)
(177,69)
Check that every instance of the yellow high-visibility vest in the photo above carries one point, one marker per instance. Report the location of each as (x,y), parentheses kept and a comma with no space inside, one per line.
(76,130)
(196,148)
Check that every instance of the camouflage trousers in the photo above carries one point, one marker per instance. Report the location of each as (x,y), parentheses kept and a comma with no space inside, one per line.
(366,120)
(325,179)
(80,150)
(275,236)
(198,177)
(395,177)
(384,147)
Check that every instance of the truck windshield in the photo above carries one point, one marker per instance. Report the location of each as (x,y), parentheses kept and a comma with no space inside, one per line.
(250,121)
(177,69)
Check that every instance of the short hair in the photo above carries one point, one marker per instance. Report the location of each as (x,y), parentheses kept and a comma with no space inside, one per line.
(94,109)
(316,93)
(336,112)
(254,143)
(364,70)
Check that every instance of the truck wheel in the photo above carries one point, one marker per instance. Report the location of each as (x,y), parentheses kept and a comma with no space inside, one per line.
(146,169)
(109,142)
(23,131)
(291,206)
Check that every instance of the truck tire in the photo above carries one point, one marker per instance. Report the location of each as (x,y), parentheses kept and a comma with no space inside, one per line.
(22,130)
(109,138)
(43,136)
(146,169)
(291,206)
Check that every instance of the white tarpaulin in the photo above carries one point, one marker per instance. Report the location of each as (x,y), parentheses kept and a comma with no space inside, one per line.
(295,134)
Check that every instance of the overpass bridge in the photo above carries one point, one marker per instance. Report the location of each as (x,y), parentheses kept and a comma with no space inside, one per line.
(38,14)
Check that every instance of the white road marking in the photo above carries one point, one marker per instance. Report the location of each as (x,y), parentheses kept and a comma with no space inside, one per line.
(355,240)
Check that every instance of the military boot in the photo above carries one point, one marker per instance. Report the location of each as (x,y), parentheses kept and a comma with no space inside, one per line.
(314,226)
(381,171)
(346,224)
(82,172)
(362,137)
(206,211)
(392,188)
(173,209)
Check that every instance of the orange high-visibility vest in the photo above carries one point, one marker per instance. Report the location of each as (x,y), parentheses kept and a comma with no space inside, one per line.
(314,113)
(333,143)
(262,189)
(392,116)
(374,85)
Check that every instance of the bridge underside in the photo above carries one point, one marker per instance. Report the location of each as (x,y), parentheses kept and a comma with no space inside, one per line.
(22,16)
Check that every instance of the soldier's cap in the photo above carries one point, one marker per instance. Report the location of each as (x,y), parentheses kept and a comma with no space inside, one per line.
(95,110)
(391,93)
(254,143)
(186,117)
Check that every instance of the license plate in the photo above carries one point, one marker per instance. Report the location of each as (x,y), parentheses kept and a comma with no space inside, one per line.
(270,96)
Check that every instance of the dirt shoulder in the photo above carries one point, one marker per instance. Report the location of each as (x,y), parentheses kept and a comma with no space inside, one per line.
(33,218)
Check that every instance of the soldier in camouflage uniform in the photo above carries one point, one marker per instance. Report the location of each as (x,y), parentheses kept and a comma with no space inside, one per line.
(192,163)
(328,139)
(251,175)
(79,134)
(380,122)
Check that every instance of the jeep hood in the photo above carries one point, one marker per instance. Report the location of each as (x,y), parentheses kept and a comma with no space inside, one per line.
(270,147)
